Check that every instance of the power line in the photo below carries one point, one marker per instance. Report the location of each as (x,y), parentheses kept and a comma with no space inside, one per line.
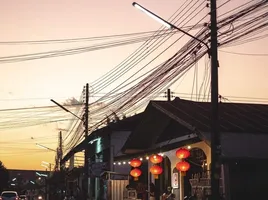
(241,30)
(73,51)
(244,54)
(83,39)
(101,94)
(34,108)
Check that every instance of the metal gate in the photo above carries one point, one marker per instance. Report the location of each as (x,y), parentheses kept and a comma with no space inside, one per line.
(115,185)
(116,189)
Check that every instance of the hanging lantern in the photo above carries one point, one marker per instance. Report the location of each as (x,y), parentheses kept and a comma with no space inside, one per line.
(156,170)
(155,159)
(135,162)
(182,153)
(183,166)
(135,173)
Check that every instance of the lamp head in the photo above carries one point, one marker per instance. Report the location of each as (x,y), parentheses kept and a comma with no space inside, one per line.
(152,15)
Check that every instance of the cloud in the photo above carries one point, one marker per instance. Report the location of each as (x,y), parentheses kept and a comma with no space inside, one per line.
(71,101)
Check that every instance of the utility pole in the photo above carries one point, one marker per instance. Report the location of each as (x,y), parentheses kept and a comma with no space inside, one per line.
(59,153)
(213,51)
(60,146)
(86,148)
(168,95)
(215,135)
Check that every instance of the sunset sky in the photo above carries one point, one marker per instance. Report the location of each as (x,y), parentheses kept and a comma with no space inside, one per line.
(33,83)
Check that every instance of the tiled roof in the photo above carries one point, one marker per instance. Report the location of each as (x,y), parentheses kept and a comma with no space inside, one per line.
(163,121)
(233,117)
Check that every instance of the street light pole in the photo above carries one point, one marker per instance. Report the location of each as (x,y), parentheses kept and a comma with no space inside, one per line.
(44,147)
(85,123)
(62,107)
(166,23)
(213,52)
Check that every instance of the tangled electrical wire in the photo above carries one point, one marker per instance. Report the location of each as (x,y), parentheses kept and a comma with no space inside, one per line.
(246,21)
(243,24)
(125,39)
(183,15)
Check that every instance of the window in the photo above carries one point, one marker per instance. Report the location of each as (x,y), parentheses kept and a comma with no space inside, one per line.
(9,194)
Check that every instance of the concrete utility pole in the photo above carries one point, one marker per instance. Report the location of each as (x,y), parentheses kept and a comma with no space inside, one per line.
(86,148)
(60,146)
(59,153)
(215,135)
(213,51)
(168,95)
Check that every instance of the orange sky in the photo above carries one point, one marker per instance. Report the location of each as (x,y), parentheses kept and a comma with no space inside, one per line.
(33,83)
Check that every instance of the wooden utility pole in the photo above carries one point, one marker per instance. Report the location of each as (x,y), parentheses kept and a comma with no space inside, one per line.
(215,135)
(86,148)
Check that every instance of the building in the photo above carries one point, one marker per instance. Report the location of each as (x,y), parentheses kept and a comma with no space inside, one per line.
(27,181)
(164,127)
(168,125)
(103,145)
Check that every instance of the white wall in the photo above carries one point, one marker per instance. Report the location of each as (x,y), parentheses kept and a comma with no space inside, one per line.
(174,160)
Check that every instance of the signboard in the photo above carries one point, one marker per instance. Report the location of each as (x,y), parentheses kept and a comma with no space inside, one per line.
(175,180)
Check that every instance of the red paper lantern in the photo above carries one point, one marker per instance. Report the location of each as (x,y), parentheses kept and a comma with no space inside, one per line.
(135,163)
(155,159)
(182,153)
(135,173)
(183,166)
(156,170)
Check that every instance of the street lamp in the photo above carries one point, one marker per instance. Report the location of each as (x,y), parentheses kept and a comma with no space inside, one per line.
(152,15)
(44,147)
(65,109)
(213,53)
(166,23)
(85,122)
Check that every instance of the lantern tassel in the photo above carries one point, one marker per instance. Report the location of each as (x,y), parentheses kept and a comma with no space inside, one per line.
(136,178)
(156,176)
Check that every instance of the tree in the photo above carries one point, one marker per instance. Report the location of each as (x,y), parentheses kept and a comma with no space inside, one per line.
(56,183)
(4,177)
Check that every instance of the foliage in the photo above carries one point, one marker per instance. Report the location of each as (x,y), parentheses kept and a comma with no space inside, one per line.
(4,177)
(56,184)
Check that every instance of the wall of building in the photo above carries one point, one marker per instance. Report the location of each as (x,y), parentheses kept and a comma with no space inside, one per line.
(106,148)
(174,160)
(118,139)
(201,145)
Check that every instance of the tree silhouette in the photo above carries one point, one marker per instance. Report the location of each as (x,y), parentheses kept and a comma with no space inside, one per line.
(4,177)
